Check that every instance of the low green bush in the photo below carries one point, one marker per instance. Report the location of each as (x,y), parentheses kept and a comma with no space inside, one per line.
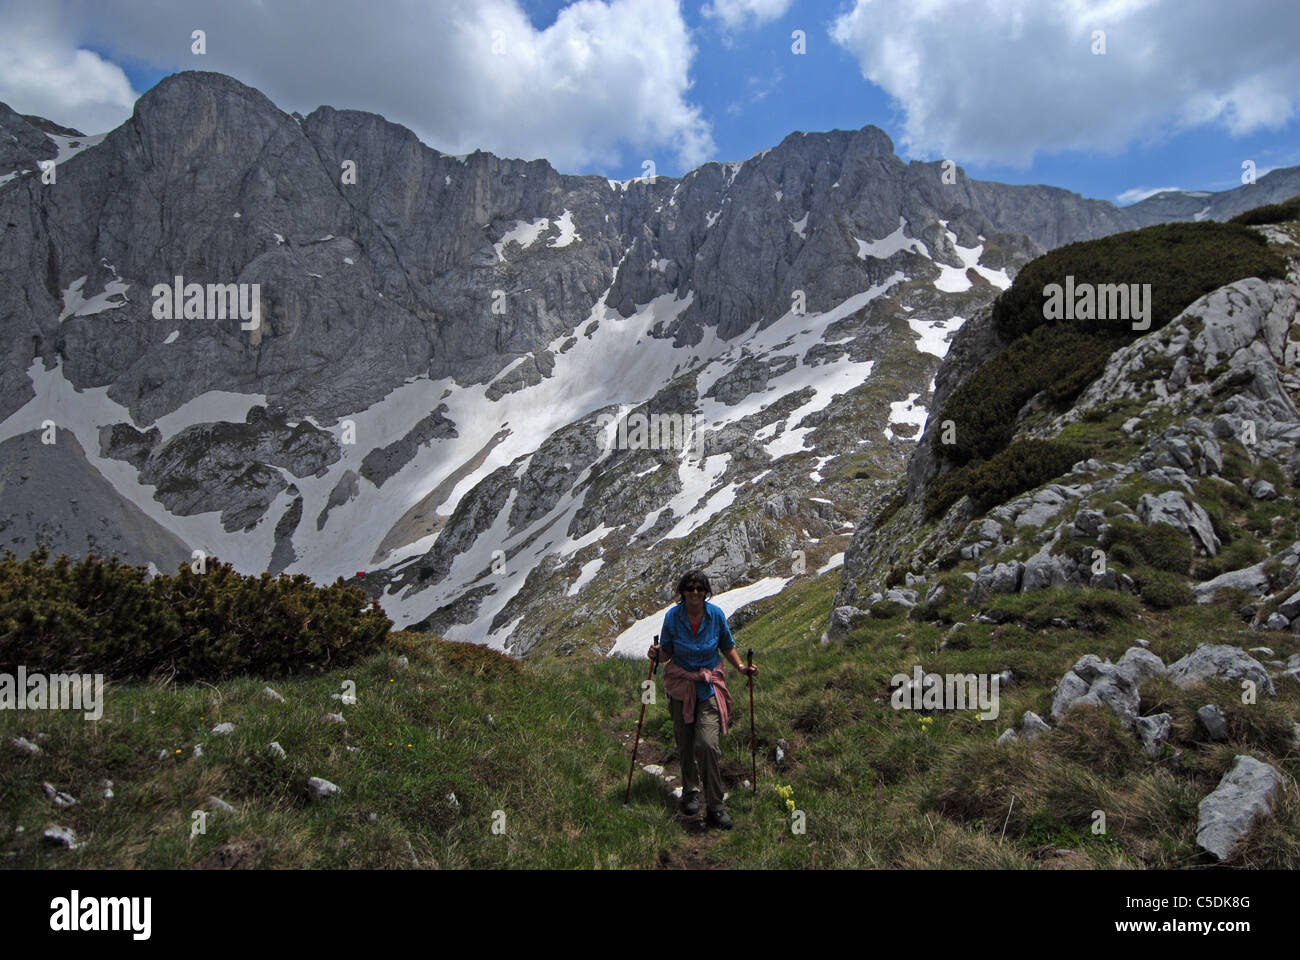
(1022,466)
(1270,213)
(1164,591)
(1159,546)
(97,616)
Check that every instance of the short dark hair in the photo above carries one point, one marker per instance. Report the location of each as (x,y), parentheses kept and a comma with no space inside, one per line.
(695,576)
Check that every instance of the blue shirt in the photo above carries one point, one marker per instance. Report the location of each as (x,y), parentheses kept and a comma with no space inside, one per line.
(696,651)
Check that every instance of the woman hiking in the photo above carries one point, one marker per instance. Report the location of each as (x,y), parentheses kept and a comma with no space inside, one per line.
(694,637)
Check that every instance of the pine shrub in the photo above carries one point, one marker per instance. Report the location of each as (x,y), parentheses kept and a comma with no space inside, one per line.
(97,616)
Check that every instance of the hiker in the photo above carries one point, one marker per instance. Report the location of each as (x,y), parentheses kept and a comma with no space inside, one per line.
(694,637)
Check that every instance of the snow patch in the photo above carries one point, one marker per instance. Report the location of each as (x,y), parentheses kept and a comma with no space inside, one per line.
(886,247)
(635,640)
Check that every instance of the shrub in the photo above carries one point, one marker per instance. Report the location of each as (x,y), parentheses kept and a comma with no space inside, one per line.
(1022,466)
(1270,213)
(1159,546)
(1181,261)
(99,616)
(1164,591)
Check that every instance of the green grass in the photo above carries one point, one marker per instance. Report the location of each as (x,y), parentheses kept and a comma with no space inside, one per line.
(878,787)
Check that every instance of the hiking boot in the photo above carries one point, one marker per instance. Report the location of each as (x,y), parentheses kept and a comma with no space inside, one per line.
(719,819)
(691,804)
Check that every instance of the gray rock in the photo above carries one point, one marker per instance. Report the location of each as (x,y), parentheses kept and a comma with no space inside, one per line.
(217,805)
(276,750)
(1213,721)
(1096,682)
(844,620)
(1139,665)
(1290,607)
(1153,731)
(61,836)
(25,746)
(1042,571)
(905,597)
(1276,621)
(1245,794)
(333,718)
(320,789)
(1008,735)
(1174,509)
(1090,523)
(270,694)
(1251,579)
(1040,512)
(1214,661)
(223,729)
(1263,490)
(1033,726)
(60,798)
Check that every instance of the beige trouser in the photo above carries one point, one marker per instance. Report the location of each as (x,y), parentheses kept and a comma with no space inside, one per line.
(697,743)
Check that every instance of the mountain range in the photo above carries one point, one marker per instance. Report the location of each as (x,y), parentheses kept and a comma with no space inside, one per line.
(446,346)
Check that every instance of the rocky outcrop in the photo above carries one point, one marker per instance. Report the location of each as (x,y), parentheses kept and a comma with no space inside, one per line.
(1217,661)
(1247,792)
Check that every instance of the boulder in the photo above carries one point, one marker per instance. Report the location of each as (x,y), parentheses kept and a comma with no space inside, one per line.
(1213,661)
(1213,722)
(1033,726)
(1176,510)
(1042,571)
(844,620)
(1251,579)
(1246,793)
(1153,731)
(319,789)
(1139,665)
(1097,682)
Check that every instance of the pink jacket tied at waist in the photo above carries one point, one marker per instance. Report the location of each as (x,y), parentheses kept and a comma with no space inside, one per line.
(680,685)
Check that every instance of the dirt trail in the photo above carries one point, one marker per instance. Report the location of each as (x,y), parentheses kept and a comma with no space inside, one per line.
(697,840)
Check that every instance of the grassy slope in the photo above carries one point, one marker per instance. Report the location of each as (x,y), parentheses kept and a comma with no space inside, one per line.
(879,787)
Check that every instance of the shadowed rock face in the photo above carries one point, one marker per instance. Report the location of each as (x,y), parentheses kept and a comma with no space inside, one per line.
(54,496)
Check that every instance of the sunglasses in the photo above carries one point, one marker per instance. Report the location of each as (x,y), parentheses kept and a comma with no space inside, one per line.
(695,588)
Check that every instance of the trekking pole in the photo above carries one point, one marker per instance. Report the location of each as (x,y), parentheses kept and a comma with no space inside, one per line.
(654,665)
(753,744)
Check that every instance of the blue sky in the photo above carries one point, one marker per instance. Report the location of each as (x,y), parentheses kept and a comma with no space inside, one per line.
(1011,90)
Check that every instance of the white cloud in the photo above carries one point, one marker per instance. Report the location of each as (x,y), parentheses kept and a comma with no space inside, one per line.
(1141,193)
(735,14)
(42,72)
(605,85)
(998,81)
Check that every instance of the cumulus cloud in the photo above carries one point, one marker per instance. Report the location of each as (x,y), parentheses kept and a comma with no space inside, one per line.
(605,85)
(735,14)
(43,72)
(999,81)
